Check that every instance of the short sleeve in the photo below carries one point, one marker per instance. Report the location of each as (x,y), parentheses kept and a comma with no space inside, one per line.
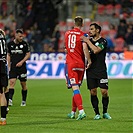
(101,44)
(27,47)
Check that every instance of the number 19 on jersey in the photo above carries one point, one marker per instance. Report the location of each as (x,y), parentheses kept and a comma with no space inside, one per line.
(71,41)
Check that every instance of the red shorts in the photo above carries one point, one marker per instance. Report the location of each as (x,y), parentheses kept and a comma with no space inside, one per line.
(75,73)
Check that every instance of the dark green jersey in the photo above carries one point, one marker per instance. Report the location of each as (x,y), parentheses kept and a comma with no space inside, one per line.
(98,60)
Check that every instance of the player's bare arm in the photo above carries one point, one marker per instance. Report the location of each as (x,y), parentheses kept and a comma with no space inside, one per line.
(87,55)
(9,61)
(94,48)
(27,56)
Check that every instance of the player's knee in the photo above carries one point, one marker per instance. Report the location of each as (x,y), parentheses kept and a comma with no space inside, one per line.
(93,92)
(105,93)
(12,83)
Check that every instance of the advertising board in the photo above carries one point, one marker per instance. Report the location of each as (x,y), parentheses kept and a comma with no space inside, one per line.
(49,69)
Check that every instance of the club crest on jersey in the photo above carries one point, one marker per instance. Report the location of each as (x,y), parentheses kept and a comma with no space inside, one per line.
(21,46)
(72,81)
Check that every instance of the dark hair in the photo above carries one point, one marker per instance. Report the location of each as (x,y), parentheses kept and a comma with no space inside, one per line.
(96,26)
(123,21)
(19,31)
(78,21)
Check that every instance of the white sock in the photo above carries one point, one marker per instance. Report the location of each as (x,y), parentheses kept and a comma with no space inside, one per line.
(73,113)
(3,119)
(81,111)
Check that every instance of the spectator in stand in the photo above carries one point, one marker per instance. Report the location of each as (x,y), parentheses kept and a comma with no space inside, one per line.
(129,37)
(46,44)
(56,37)
(122,29)
(36,38)
(110,46)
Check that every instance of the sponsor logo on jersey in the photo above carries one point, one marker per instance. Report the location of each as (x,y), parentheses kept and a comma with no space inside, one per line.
(16,51)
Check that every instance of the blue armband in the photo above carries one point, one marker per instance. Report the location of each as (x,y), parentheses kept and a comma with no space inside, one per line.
(86,35)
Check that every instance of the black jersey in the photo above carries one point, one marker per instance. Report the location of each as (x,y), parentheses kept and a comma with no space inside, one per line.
(98,60)
(3,52)
(17,51)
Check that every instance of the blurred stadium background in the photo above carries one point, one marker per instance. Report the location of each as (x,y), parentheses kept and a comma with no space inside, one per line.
(45,21)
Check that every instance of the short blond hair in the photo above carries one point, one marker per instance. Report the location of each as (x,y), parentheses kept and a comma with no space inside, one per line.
(78,21)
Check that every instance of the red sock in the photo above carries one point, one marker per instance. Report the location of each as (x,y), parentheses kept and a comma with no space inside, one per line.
(78,101)
(74,106)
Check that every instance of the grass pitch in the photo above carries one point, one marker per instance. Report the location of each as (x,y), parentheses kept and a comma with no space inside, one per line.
(49,102)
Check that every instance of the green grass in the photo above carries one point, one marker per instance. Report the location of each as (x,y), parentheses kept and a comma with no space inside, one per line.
(49,102)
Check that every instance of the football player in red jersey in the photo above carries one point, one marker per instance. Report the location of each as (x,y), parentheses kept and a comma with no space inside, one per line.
(75,64)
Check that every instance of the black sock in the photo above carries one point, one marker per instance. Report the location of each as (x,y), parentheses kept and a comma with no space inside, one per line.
(24,95)
(94,102)
(105,102)
(3,111)
(7,97)
(11,93)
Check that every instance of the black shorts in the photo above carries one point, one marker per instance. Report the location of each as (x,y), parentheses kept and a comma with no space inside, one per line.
(19,73)
(98,80)
(3,80)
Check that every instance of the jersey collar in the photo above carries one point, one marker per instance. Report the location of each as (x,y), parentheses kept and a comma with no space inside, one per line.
(77,29)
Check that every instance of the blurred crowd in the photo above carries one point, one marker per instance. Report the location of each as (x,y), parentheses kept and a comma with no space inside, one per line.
(39,20)
(116,18)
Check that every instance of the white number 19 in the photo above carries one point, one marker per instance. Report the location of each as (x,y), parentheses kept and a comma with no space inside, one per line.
(71,41)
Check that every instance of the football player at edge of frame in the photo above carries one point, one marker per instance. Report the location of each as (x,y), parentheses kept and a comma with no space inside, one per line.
(76,51)
(3,78)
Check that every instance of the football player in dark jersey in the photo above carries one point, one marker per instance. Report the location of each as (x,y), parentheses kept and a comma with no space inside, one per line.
(18,54)
(97,73)
(3,77)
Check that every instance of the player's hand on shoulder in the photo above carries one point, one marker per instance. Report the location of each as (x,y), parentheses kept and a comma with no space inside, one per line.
(85,39)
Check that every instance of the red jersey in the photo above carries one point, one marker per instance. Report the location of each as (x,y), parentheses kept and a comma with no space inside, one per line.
(74,46)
